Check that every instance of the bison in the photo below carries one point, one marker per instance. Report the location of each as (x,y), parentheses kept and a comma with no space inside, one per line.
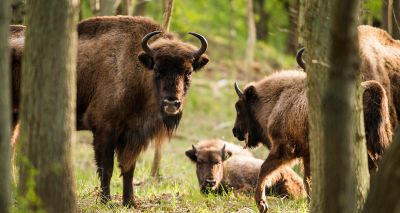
(380,61)
(274,111)
(221,166)
(129,92)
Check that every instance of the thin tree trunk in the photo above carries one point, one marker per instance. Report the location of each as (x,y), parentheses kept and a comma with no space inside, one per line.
(125,7)
(18,11)
(390,17)
(292,9)
(251,38)
(344,139)
(168,15)
(140,8)
(396,19)
(385,187)
(48,105)
(300,26)
(107,8)
(384,14)
(5,109)
(262,22)
(95,7)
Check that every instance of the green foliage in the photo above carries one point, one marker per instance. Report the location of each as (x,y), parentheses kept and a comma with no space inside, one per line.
(373,7)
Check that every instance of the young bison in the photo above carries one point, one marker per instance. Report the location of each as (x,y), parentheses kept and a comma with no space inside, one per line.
(222,166)
(129,92)
(274,110)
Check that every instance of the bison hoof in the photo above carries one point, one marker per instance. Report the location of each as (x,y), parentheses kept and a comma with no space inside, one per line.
(262,207)
(128,202)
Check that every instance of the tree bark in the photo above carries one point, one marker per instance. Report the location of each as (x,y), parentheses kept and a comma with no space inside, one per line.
(140,8)
(107,8)
(300,26)
(168,15)
(262,22)
(344,139)
(292,9)
(251,38)
(48,105)
(316,41)
(18,11)
(125,7)
(384,14)
(396,19)
(5,109)
(385,186)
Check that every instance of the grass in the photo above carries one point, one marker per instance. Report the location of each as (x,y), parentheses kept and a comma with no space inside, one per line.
(208,113)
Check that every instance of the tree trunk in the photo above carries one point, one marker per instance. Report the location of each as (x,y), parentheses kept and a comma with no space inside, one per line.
(251,39)
(385,186)
(48,105)
(292,9)
(168,15)
(95,7)
(5,109)
(18,11)
(107,8)
(125,7)
(396,19)
(344,139)
(316,42)
(384,13)
(300,26)
(390,17)
(262,22)
(140,8)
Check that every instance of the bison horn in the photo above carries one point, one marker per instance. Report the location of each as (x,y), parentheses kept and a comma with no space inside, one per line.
(145,40)
(299,58)
(204,45)
(223,149)
(194,148)
(238,91)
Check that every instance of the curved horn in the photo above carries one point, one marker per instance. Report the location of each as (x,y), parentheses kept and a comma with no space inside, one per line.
(299,58)
(204,45)
(145,40)
(238,91)
(194,148)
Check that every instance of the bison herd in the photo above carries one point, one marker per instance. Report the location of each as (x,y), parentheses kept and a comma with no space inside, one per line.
(130,92)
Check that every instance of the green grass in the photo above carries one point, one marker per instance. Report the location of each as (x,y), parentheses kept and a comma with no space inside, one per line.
(208,113)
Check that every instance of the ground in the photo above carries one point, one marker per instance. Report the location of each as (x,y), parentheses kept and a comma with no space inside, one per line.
(208,113)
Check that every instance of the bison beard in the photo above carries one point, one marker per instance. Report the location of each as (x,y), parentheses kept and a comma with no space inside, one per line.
(123,87)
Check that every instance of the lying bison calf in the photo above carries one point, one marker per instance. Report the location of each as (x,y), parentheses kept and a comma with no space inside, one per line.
(275,111)
(222,166)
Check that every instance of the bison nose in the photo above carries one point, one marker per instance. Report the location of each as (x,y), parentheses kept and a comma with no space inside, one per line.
(211,182)
(235,132)
(171,106)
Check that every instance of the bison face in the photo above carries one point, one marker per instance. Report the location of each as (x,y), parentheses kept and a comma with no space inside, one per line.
(209,167)
(246,125)
(172,63)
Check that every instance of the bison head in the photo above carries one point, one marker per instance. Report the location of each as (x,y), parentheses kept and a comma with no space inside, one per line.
(246,125)
(209,167)
(172,63)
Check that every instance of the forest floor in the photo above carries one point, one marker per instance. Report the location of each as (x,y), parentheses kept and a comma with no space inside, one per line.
(208,113)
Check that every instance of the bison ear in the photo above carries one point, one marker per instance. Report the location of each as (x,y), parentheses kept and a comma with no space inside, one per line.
(250,93)
(200,62)
(191,154)
(226,155)
(146,60)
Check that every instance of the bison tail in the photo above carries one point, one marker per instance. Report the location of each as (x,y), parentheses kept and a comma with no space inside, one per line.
(378,128)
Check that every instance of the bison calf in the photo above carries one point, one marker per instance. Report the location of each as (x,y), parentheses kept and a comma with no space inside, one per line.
(274,111)
(223,166)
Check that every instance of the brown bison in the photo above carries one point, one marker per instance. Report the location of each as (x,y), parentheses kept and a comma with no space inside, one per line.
(128,92)
(275,110)
(380,61)
(221,166)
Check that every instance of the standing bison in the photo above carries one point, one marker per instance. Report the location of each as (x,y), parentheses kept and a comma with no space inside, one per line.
(128,92)
(274,111)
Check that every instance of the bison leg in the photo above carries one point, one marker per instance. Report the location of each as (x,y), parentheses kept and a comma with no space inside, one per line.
(127,198)
(155,168)
(268,173)
(104,155)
